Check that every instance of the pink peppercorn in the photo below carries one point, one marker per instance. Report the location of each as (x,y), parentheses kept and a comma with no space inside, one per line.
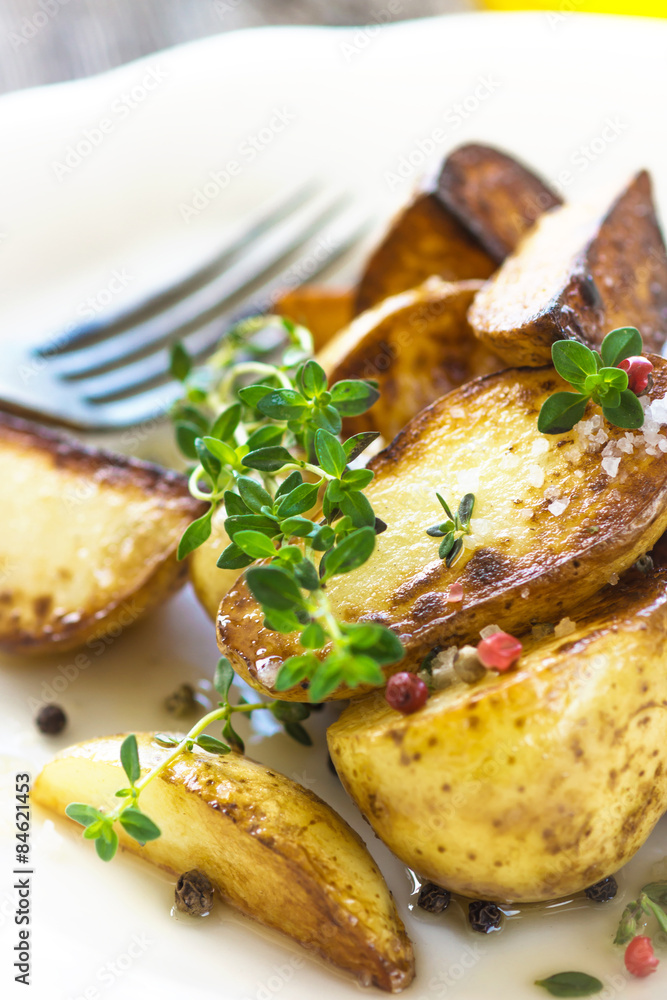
(638,370)
(406,692)
(639,958)
(499,651)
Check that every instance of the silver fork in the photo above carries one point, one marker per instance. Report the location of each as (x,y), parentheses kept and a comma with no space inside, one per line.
(113,372)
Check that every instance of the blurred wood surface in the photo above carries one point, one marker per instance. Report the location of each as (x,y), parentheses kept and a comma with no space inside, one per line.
(44,41)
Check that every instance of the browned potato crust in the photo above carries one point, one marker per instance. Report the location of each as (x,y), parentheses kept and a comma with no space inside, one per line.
(527,562)
(417,345)
(322,310)
(536,783)
(494,196)
(458,228)
(88,546)
(577,275)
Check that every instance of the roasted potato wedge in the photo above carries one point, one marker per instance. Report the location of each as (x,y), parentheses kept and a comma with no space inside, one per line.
(322,310)
(578,274)
(274,850)
(423,240)
(417,345)
(211,583)
(532,784)
(526,562)
(88,539)
(460,226)
(494,196)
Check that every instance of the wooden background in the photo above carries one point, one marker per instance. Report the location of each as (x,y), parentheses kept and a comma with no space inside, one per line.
(44,41)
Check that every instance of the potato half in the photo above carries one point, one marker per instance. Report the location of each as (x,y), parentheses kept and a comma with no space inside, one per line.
(581,272)
(87,541)
(532,784)
(417,345)
(461,225)
(274,850)
(527,560)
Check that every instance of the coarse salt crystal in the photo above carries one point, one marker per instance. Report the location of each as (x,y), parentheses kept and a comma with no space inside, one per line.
(565,627)
(526,513)
(625,444)
(557,507)
(455,593)
(610,466)
(659,410)
(539,446)
(613,579)
(489,630)
(525,593)
(457,412)
(535,476)
(552,493)
(651,451)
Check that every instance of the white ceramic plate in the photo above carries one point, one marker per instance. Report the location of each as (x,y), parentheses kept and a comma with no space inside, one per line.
(582,99)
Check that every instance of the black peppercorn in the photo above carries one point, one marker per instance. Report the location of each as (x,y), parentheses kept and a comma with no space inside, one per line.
(603,891)
(51,720)
(181,702)
(194,893)
(433,898)
(484,916)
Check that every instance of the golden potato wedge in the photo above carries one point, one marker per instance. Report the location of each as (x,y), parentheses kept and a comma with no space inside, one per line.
(417,345)
(211,583)
(494,196)
(535,783)
(578,274)
(322,310)
(458,227)
(424,239)
(274,850)
(88,539)
(526,561)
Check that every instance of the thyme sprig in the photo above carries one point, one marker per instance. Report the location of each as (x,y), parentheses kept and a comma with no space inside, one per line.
(594,377)
(100,824)
(267,439)
(453,528)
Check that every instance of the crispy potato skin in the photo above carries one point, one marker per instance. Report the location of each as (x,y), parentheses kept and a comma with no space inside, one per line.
(529,564)
(274,850)
(494,196)
(322,310)
(211,583)
(578,276)
(459,227)
(94,546)
(424,239)
(417,345)
(532,784)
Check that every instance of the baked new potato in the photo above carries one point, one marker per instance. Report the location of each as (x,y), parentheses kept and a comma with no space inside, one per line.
(531,784)
(274,850)
(582,271)
(209,581)
(88,539)
(550,526)
(417,345)
(461,225)
(322,310)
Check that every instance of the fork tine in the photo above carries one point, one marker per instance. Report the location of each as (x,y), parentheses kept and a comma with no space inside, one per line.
(142,378)
(208,303)
(102,329)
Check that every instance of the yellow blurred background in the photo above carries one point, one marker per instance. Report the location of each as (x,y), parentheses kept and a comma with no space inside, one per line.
(642,8)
